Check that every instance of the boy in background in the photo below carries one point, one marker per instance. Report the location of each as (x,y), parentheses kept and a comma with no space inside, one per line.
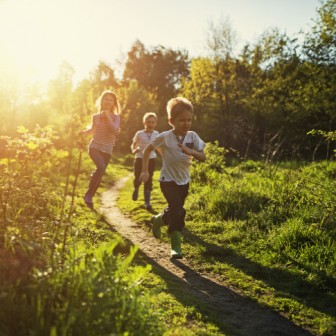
(141,139)
(177,147)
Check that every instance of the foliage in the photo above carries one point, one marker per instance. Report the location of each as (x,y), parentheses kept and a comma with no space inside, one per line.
(24,199)
(320,42)
(270,227)
(59,272)
(268,231)
(260,101)
(136,102)
(215,161)
(95,293)
(159,70)
(281,219)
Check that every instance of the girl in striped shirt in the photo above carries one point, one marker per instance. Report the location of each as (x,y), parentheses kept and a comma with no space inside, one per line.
(104,129)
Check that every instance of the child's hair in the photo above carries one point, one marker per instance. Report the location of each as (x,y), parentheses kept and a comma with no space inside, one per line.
(99,101)
(176,106)
(148,115)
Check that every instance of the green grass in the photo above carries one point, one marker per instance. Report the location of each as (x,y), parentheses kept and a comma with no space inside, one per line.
(63,271)
(268,233)
(174,317)
(178,311)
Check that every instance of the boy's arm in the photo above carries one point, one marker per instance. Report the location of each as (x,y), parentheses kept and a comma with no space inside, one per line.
(144,174)
(200,156)
(134,147)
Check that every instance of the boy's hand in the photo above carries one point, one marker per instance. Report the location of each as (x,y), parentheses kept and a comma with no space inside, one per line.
(186,150)
(144,176)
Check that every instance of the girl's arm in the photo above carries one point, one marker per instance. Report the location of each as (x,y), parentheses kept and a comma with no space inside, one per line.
(89,130)
(144,174)
(113,120)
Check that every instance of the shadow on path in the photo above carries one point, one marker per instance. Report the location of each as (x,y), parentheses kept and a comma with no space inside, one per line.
(232,313)
(285,283)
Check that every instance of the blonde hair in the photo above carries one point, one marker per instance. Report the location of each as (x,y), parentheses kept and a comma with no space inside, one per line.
(116,109)
(148,115)
(176,106)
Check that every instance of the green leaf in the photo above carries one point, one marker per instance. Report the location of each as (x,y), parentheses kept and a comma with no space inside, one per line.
(22,129)
(32,145)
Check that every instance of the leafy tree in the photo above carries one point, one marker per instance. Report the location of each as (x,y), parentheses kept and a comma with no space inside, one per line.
(218,86)
(103,78)
(159,70)
(136,101)
(320,64)
(320,42)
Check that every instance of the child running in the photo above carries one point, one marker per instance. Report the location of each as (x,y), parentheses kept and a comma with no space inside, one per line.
(177,147)
(140,141)
(104,128)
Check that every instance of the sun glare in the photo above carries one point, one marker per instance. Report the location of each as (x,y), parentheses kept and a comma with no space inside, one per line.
(34,38)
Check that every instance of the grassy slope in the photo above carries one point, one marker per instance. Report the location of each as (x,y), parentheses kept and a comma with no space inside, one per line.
(242,259)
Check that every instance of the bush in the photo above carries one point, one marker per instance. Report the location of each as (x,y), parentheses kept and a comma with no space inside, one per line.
(98,295)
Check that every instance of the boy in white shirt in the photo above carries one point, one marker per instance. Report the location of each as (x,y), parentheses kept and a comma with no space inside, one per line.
(141,139)
(177,147)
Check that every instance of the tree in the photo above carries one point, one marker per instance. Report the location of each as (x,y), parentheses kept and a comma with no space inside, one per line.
(136,101)
(320,43)
(159,70)
(320,65)
(218,86)
(221,40)
(103,78)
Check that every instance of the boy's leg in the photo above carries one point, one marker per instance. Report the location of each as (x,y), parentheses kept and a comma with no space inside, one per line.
(101,161)
(136,182)
(157,223)
(174,214)
(175,241)
(149,184)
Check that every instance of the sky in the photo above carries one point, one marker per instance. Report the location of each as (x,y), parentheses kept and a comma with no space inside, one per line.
(36,36)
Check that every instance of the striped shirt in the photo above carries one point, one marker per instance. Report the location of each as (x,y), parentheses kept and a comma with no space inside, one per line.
(105,132)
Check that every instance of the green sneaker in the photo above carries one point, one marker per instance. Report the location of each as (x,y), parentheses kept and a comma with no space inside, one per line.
(157,222)
(175,240)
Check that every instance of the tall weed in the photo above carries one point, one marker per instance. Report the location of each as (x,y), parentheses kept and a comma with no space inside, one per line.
(56,275)
(99,294)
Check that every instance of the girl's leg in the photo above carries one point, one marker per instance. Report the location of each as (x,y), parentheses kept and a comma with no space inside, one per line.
(101,161)
(175,213)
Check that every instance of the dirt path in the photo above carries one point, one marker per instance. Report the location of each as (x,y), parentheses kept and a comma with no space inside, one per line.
(235,314)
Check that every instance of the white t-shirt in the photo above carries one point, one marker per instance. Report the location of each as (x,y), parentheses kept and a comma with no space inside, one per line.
(175,163)
(142,138)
